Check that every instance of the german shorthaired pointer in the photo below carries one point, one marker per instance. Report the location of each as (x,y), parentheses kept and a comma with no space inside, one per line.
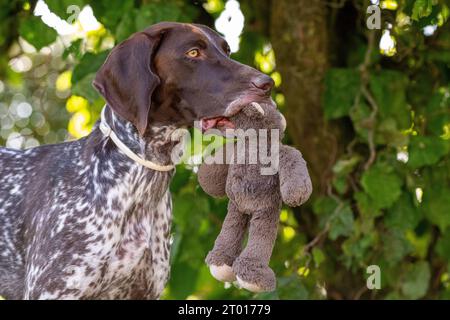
(82,220)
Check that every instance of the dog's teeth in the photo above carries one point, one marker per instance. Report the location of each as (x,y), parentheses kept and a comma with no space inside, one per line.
(258,107)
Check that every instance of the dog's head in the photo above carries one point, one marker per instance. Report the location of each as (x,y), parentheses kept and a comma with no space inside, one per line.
(175,74)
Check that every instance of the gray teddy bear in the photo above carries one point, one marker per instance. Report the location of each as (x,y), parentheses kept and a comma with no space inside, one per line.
(255,201)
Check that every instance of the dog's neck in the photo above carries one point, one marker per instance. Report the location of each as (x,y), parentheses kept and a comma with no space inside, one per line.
(117,179)
(156,145)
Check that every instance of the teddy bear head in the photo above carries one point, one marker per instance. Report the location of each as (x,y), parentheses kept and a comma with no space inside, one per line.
(259,116)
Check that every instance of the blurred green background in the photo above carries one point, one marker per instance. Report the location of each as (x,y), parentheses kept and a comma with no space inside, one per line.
(368,108)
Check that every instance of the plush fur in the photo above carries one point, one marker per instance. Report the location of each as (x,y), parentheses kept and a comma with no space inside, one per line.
(254,205)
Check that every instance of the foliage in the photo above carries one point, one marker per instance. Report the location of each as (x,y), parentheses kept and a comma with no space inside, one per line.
(389,198)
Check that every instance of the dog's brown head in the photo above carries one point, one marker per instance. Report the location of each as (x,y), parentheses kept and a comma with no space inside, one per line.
(175,73)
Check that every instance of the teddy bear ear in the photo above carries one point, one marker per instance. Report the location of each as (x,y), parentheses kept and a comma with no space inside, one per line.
(254,110)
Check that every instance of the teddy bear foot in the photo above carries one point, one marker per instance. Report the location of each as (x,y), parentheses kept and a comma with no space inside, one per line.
(220,266)
(222,273)
(253,276)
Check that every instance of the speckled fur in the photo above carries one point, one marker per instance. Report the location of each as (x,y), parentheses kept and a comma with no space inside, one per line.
(80,220)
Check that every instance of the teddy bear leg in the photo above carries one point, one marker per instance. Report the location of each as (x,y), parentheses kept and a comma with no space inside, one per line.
(228,244)
(252,266)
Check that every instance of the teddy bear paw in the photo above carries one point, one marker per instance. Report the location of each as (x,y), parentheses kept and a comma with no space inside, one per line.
(254,276)
(222,273)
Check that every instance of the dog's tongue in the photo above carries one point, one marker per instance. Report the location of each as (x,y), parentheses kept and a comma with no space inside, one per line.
(219,122)
(209,123)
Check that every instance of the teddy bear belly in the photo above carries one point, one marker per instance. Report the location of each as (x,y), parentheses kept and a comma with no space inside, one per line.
(254,193)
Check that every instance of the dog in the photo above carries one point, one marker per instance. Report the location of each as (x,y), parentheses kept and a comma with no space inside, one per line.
(88,219)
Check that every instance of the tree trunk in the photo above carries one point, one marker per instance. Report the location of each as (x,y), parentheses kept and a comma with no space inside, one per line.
(298,33)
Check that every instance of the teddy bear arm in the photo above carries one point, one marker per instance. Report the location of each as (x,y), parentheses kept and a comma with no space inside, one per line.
(295,183)
(213,179)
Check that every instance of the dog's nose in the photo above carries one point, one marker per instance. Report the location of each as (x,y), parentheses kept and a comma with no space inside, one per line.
(264,82)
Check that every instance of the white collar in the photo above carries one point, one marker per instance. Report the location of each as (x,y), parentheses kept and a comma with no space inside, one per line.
(108,132)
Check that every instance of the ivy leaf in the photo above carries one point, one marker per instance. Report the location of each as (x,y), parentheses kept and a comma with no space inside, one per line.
(59,7)
(126,26)
(356,248)
(156,12)
(109,13)
(403,215)
(183,278)
(324,208)
(422,8)
(426,150)
(74,49)
(346,165)
(85,89)
(395,246)
(366,206)
(342,223)
(416,282)
(341,88)
(38,34)
(318,256)
(382,185)
(388,88)
(292,288)
(443,245)
(436,206)
(89,64)
(360,118)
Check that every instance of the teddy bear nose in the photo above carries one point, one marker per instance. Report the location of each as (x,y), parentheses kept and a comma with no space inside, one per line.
(264,83)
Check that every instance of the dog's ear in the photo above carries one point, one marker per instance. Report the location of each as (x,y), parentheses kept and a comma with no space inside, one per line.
(126,79)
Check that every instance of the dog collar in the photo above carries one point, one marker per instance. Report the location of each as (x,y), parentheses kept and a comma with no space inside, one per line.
(108,132)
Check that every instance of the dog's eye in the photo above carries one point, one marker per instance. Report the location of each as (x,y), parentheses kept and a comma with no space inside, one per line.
(193,53)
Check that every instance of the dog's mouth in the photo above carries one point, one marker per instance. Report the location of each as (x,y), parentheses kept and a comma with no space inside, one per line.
(220,123)
(224,122)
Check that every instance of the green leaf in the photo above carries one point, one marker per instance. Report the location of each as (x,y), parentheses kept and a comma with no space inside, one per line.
(366,205)
(341,88)
(416,281)
(180,179)
(74,49)
(360,118)
(382,185)
(109,13)
(126,26)
(342,223)
(403,215)
(436,206)
(59,7)
(38,34)
(324,208)
(422,8)
(85,89)
(443,245)
(291,288)
(183,279)
(346,165)
(426,150)
(318,256)
(89,64)
(388,88)
(356,248)
(395,246)
(156,12)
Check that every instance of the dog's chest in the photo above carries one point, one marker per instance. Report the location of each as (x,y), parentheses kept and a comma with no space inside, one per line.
(129,258)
